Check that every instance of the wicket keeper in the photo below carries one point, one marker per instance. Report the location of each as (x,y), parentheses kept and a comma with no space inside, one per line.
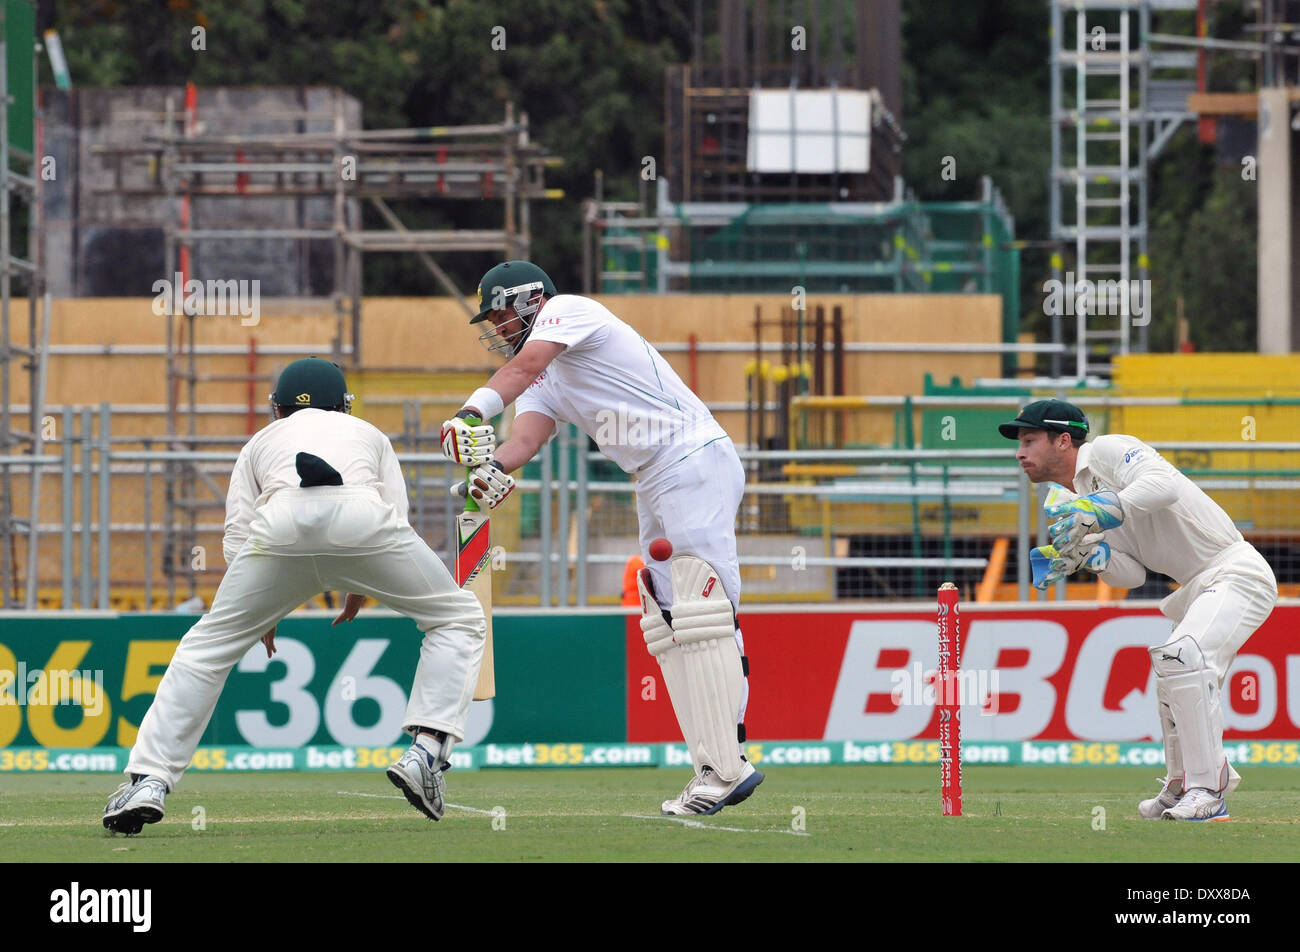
(1119,510)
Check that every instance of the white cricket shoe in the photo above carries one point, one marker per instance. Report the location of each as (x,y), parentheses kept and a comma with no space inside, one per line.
(1155,808)
(134,804)
(1199,804)
(418,774)
(706,794)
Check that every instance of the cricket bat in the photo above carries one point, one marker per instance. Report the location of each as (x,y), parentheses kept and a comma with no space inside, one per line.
(473,552)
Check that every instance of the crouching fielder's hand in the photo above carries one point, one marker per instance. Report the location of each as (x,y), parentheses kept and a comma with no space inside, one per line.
(1049,565)
(1096,553)
(489,485)
(466,443)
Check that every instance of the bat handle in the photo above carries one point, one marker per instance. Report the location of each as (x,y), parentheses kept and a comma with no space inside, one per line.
(471,505)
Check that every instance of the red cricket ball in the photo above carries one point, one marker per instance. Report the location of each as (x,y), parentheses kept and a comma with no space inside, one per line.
(661,550)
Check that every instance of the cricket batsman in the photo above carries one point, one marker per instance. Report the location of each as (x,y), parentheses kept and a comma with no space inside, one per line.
(316,502)
(570,360)
(1119,510)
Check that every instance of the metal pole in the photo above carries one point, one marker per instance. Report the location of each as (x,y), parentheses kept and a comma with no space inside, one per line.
(544,526)
(1022,547)
(562,527)
(69,566)
(87,504)
(38,449)
(148,529)
(583,513)
(105,522)
(6,483)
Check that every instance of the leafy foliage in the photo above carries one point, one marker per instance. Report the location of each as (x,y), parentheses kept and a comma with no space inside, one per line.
(590,74)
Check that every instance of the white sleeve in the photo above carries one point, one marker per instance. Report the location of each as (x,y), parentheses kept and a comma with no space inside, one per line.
(571,320)
(241,502)
(533,400)
(394,483)
(1123,571)
(1149,482)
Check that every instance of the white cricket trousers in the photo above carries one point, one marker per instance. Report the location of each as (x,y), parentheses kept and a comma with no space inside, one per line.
(260,588)
(693,505)
(1224,605)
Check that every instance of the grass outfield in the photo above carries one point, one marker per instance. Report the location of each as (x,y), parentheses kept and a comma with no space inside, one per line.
(853,813)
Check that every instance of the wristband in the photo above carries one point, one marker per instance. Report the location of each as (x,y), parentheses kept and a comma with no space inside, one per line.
(488,402)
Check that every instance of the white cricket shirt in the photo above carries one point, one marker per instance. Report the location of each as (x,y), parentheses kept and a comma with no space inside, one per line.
(1170,525)
(616,388)
(360,452)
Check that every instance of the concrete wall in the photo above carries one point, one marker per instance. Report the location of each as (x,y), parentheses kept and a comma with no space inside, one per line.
(105,237)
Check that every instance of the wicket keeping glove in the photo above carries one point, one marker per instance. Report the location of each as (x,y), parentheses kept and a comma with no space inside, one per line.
(1078,517)
(489,485)
(1097,554)
(1049,566)
(466,444)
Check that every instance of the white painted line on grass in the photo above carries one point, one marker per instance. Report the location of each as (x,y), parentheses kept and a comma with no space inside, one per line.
(699,825)
(390,796)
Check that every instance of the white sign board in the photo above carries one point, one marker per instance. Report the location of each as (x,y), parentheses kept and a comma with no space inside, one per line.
(809,131)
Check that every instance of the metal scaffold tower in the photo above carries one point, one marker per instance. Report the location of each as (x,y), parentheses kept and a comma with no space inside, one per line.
(19,192)
(1122,91)
(493,162)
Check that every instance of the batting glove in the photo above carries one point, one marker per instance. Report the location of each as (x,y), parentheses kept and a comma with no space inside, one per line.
(489,485)
(466,444)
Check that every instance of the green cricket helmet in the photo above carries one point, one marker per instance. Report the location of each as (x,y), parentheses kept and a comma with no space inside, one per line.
(516,286)
(312,382)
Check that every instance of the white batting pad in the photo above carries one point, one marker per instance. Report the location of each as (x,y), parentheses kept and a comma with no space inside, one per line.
(1193,703)
(712,688)
(658,636)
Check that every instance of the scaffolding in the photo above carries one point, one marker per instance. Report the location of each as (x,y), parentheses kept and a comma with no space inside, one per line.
(742,46)
(900,246)
(494,162)
(20,441)
(1129,95)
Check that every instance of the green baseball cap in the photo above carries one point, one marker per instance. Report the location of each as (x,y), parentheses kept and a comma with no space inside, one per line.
(1055,416)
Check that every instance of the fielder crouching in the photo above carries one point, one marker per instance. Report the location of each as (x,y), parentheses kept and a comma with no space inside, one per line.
(316,502)
(1121,510)
(572,361)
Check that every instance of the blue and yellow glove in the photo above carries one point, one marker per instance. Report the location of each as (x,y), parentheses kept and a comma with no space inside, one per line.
(1080,516)
(1098,555)
(1049,565)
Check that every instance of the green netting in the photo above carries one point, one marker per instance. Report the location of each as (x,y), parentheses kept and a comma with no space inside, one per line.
(916,247)
(637,260)
(20,46)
